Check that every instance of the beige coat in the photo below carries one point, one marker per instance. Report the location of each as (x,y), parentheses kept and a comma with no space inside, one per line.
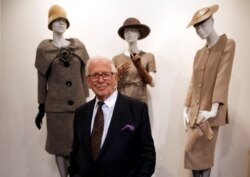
(210,81)
(62,86)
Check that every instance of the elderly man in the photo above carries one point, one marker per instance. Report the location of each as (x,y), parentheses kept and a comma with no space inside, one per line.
(112,134)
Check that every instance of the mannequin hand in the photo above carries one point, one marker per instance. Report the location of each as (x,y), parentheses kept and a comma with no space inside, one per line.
(145,76)
(205,115)
(185,118)
(123,68)
(136,59)
(39,116)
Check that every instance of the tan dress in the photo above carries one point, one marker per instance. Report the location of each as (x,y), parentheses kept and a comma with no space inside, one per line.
(62,88)
(131,83)
(209,84)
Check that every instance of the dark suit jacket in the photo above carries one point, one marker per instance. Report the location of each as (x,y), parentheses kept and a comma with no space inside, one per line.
(126,152)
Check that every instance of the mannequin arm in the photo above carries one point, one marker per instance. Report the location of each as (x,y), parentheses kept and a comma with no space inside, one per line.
(146,77)
(185,117)
(205,115)
(39,116)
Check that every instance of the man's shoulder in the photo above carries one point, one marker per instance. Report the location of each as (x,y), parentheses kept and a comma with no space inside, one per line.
(85,106)
(130,100)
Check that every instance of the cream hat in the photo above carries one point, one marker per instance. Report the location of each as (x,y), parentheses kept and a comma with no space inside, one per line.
(56,12)
(203,14)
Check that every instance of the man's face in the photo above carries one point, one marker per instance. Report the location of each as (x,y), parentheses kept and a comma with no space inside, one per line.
(101,79)
(204,29)
(131,34)
(59,25)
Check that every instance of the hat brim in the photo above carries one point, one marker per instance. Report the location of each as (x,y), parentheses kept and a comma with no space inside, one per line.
(143,29)
(210,11)
(50,23)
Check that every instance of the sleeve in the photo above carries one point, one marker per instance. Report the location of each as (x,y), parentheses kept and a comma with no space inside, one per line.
(151,66)
(190,87)
(220,93)
(42,87)
(84,81)
(82,53)
(147,156)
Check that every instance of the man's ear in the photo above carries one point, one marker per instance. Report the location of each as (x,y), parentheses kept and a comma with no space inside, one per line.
(88,82)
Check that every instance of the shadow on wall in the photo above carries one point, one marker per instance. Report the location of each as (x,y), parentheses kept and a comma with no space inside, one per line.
(166,101)
(225,140)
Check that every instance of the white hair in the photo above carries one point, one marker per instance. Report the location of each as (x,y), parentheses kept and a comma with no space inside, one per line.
(100,58)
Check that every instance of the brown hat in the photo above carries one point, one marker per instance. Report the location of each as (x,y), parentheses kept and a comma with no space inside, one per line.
(56,12)
(134,23)
(203,14)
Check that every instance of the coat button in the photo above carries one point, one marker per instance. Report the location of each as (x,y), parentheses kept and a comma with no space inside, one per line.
(66,64)
(197,101)
(207,51)
(200,85)
(69,83)
(70,102)
(203,68)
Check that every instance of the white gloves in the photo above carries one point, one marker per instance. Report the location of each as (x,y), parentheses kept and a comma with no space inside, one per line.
(205,115)
(185,118)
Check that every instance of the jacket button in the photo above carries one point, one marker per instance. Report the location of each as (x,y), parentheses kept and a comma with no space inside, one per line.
(66,64)
(69,83)
(199,85)
(203,68)
(70,102)
(197,101)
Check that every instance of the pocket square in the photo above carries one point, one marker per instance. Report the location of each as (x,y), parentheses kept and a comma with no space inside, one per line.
(128,127)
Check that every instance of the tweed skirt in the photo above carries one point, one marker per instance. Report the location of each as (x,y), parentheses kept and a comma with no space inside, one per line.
(59,133)
(199,151)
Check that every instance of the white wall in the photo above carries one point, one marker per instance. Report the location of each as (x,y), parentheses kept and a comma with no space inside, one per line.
(95,22)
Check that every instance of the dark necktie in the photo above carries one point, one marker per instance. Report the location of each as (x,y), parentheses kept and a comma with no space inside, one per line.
(96,136)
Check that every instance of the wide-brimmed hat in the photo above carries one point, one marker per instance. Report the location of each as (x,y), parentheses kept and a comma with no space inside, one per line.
(56,12)
(203,14)
(134,23)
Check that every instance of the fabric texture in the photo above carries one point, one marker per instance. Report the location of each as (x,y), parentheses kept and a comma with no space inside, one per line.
(209,84)
(62,88)
(131,83)
(210,81)
(59,133)
(199,151)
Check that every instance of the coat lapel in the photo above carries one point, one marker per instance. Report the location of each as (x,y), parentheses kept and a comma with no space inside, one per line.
(87,134)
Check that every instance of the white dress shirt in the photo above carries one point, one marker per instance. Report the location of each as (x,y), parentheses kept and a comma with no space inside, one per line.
(108,109)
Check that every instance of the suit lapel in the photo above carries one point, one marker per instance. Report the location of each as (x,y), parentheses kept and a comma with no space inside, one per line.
(87,133)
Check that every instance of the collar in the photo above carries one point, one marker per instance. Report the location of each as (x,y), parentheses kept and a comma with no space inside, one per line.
(110,101)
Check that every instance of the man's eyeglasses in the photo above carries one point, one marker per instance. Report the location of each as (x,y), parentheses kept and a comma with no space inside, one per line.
(105,76)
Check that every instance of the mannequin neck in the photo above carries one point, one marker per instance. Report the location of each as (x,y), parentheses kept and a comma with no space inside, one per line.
(132,47)
(59,41)
(212,39)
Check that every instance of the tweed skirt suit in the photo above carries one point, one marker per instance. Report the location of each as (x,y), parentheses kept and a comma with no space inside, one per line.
(209,84)
(62,88)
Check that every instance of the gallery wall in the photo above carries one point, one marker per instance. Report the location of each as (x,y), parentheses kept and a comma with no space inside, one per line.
(95,23)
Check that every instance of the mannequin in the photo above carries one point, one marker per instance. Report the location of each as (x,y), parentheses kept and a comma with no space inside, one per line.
(62,86)
(135,67)
(205,107)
